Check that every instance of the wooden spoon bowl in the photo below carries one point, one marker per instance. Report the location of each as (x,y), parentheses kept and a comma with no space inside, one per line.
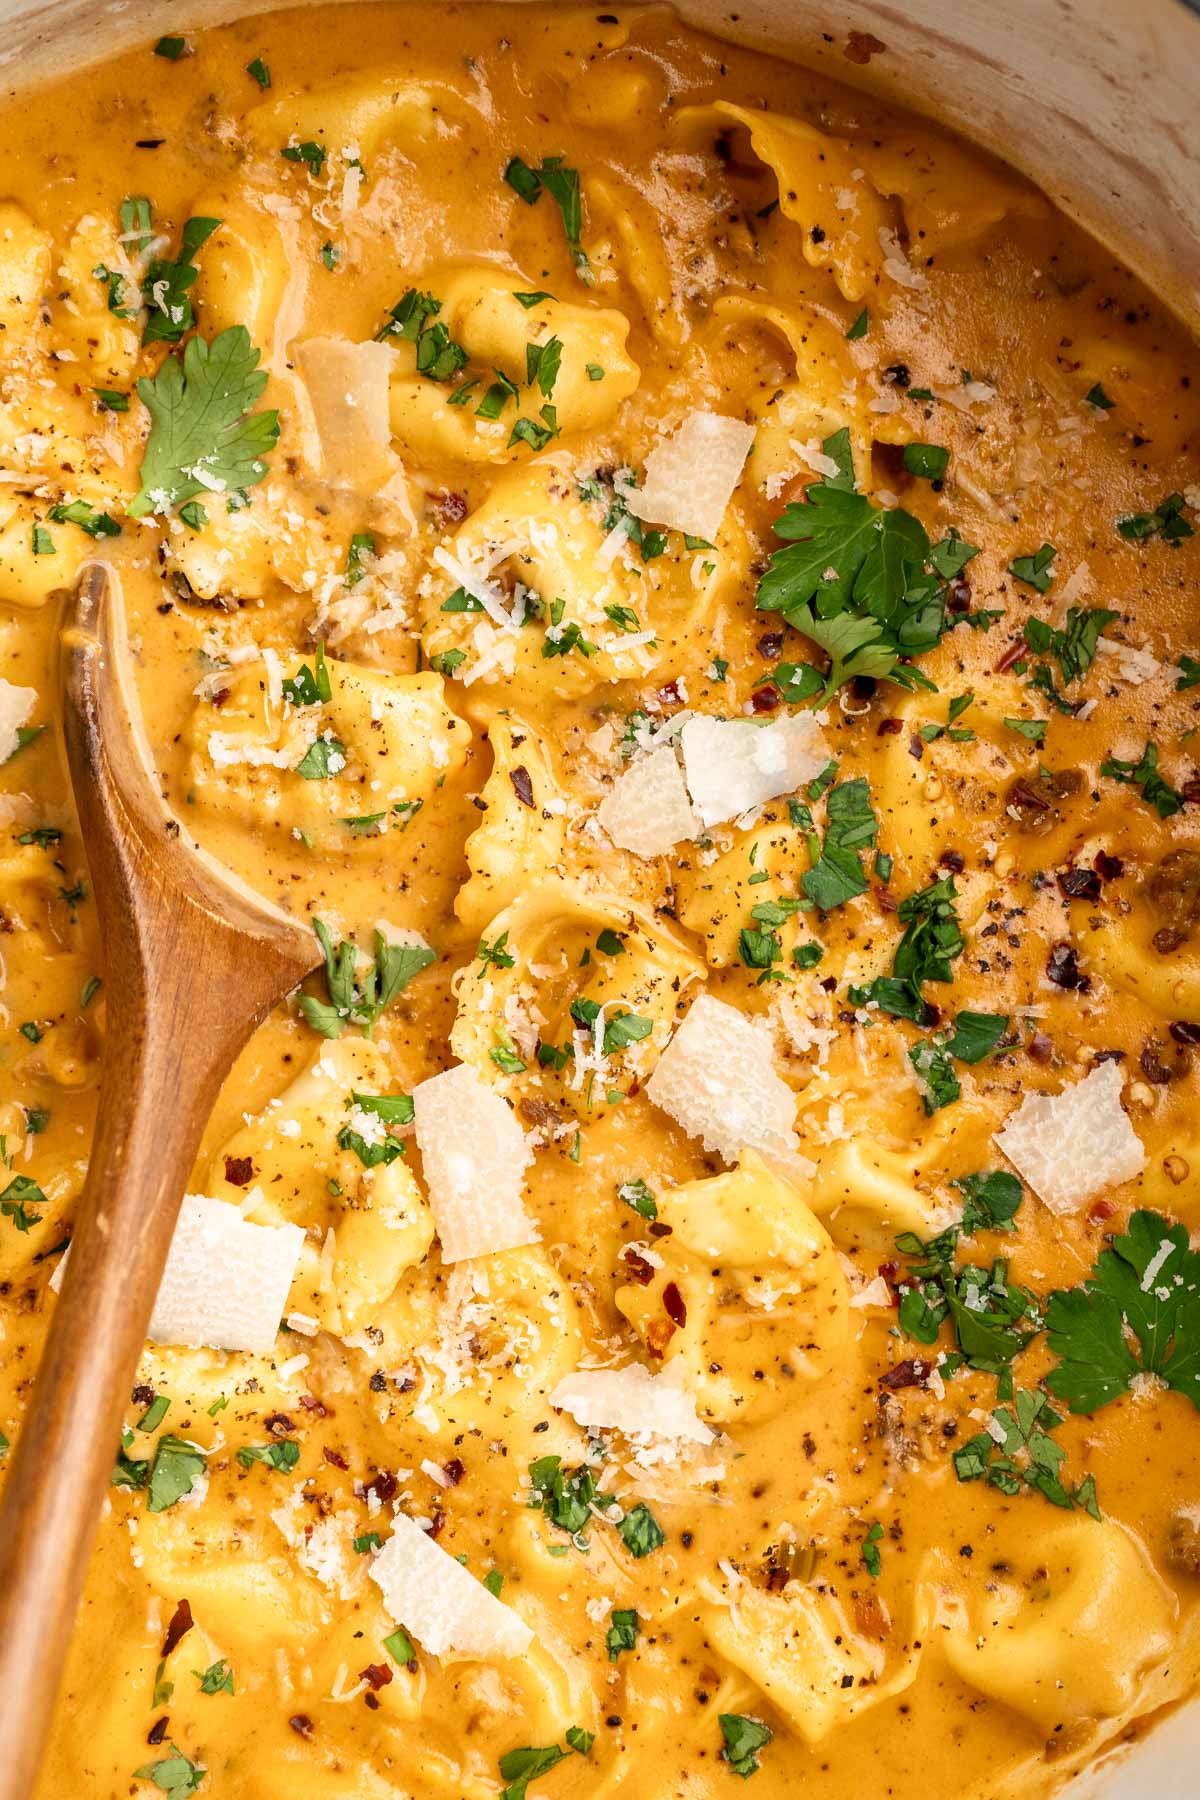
(193,961)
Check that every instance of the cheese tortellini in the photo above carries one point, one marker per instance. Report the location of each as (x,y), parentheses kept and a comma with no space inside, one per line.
(322,1157)
(747,1293)
(330,748)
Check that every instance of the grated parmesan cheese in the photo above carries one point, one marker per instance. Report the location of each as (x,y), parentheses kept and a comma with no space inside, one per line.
(717,1079)
(630,1400)
(16,704)
(428,1591)
(1073,1145)
(474,1155)
(732,765)
(226,1282)
(689,479)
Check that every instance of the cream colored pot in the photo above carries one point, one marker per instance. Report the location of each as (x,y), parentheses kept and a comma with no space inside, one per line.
(1098,101)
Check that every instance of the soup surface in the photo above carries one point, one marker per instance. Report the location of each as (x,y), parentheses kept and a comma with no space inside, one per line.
(690,576)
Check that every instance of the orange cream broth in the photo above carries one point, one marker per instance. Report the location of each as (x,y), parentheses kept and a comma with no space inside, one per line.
(1005,1641)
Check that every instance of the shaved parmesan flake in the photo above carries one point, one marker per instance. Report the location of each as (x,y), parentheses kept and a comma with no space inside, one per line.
(716,1078)
(429,1593)
(1073,1145)
(733,765)
(16,704)
(690,479)
(630,1400)
(348,389)
(648,810)
(474,1155)
(226,1282)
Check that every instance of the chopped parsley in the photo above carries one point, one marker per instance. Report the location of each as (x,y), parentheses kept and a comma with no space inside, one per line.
(622,1632)
(78,512)
(439,357)
(1018,1452)
(1166,522)
(281,1456)
(1144,775)
(216,1679)
(312,155)
(637,1195)
(259,71)
(562,185)
(174,1774)
(355,1000)
(21,1193)
(837,875)
(870,1551)
(743,1739)
(166,285)
(927,462)
(1036,570)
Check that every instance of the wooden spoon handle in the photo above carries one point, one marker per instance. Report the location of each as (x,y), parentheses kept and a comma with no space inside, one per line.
(155,1098)
(192,962)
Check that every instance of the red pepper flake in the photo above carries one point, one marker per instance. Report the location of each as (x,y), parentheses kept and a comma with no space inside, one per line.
(371,1701)
(887,901)
(278,1424)
(659,1333)
(889,728)
(914,1371)
(301,1723)
(674,1306)
(637,1268)
(861,46)
(1108,868)
(1014,653)
(765,699)
(310,1403)
(219,698)
(1184,1032)
(453,507)
(522,783)
(177,1630)
(158,1730)
(770,645)
(384,1484)
(142,1395)
(239,1171)
(436,1524)
(1101,1212)
(454,1470)
(670,695)
(334,1457)
(1040,1047)
(376,1675)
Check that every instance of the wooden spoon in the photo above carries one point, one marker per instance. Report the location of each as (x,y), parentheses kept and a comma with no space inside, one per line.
(193,961)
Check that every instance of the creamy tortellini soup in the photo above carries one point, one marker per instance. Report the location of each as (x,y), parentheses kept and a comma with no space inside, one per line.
(685,580)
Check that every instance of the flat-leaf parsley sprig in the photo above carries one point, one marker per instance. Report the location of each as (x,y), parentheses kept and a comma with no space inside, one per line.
(204,435)
(1137,1315)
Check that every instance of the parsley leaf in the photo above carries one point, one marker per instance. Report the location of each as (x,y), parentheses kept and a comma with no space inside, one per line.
(1166,522)
(281,1456)
(1154,788)
(851,826)
(176,1469)
(622,1631)
(853,577)
(562,185)
(174,1774)
(1036,571)
(1145,1287)
(202,423)
(1019,1452)
(352,1001)
(1074,647)
(744,1738)
(166,284)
